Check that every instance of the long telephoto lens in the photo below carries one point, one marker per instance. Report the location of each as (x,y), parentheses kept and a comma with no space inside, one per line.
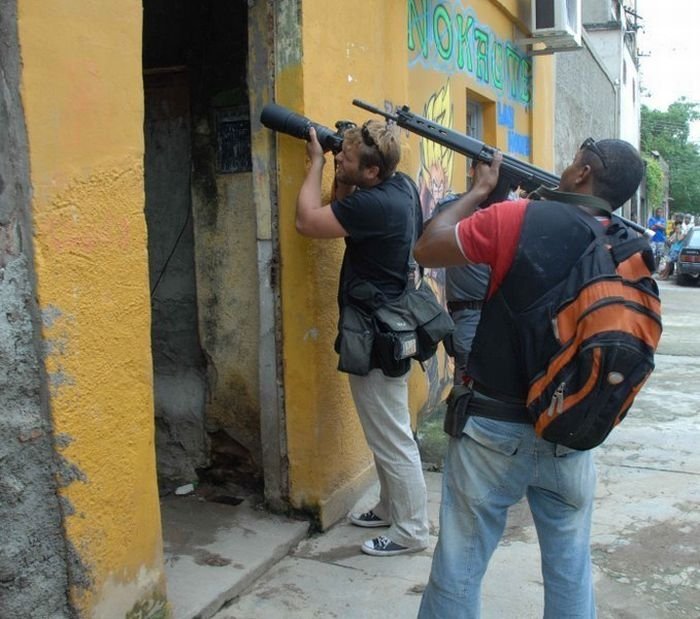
(281,119)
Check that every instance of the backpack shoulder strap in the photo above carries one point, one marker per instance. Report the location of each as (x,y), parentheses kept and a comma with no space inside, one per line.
(617,237)
(632,244)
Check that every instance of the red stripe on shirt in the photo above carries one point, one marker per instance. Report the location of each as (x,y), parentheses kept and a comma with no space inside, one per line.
(490,236)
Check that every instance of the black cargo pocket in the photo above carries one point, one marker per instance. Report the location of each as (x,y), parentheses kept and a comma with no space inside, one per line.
(354,343)
(457,410)
(431,334)
(387,352)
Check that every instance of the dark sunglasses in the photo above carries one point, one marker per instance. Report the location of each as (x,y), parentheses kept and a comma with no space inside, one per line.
(589,144)
(370,141)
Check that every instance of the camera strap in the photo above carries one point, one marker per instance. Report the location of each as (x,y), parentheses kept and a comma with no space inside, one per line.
(415,271)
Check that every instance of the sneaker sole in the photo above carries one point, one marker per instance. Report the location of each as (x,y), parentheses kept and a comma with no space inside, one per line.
(369,525)
(389,553)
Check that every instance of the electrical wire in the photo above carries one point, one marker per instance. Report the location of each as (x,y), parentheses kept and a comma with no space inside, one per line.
(172,251)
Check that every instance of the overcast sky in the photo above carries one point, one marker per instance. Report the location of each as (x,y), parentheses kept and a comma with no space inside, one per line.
(670,44)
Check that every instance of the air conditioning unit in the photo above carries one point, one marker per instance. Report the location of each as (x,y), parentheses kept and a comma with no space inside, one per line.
(556,24)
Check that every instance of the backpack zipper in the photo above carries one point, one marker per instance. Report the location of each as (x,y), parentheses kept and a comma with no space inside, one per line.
(557,404)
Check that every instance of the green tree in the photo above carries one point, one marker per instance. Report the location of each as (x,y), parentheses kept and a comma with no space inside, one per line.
(668,134)
(654,181)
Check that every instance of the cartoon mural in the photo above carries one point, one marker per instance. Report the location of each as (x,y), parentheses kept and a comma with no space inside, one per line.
(435,177)
(435,184)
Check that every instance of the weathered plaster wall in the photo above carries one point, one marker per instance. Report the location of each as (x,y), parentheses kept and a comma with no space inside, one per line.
(260,77)
(83,102)
(34,555)
(228,309)
(225,228)
(576,118)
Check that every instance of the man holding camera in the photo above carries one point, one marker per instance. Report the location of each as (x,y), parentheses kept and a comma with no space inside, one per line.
(375,210)
(495,457)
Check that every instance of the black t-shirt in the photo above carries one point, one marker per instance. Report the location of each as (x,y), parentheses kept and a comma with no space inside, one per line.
(378,222)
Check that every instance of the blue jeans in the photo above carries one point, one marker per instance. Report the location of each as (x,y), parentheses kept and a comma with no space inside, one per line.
(488,469)
(466,321)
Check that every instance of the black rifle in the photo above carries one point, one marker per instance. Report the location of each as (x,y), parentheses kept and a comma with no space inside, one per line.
(513,171)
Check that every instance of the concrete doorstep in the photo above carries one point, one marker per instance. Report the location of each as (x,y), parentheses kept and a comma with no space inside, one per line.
(214,551)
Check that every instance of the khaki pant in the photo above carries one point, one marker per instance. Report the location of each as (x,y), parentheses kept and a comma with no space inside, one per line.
(382,405)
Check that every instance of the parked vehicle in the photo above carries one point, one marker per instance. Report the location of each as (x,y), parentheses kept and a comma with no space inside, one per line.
(688,264)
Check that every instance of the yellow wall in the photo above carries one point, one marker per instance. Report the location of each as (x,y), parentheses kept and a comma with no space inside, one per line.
(83,99)
(364,55)
(326,450)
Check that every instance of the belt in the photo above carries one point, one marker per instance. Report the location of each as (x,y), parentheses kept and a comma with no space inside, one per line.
(482,405)
(455,306)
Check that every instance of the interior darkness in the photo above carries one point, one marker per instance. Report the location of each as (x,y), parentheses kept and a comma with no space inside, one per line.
(194,60)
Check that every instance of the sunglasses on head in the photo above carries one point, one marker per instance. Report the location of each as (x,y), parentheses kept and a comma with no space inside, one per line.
(371,142)
(589,144)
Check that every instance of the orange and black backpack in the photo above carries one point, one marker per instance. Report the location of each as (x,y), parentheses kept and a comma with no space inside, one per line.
(606,320)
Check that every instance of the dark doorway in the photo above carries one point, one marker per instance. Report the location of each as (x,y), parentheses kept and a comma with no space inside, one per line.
(198,173)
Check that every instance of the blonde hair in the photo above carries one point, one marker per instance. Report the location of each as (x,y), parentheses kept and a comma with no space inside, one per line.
(378,146)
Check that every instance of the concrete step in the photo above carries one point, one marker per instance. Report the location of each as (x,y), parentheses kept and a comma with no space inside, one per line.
(215,551)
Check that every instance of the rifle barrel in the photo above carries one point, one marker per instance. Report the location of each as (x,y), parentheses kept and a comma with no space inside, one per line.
(528,176)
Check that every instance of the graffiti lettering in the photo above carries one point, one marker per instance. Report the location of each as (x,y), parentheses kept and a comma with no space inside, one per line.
(464,49)
(519,144)
(506,115)
(482,55)
(418,24)
(443,32)
(498,65)
(515,67)
(445,36)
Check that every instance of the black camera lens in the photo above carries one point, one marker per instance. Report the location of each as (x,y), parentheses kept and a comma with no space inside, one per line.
(279,118)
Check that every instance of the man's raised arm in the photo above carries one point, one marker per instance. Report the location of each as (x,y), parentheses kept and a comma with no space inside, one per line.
(437,246)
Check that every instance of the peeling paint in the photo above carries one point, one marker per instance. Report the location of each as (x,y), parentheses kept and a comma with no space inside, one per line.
(311,334)
(49,315)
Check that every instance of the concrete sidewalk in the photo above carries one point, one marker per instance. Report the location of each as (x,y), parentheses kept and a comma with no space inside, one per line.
(645,531)
(646,527)
(328,576)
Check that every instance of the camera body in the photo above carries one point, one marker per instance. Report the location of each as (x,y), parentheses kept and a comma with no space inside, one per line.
(279,118)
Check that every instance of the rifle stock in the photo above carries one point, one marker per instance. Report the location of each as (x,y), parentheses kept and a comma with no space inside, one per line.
(527,176)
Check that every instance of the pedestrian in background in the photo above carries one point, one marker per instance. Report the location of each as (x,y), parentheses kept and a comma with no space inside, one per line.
(675,242)
(657,223)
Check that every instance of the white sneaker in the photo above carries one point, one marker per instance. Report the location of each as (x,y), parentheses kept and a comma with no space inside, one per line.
(383,547)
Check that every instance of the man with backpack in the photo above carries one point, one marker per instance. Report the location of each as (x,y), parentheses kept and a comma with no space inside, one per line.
(497,455)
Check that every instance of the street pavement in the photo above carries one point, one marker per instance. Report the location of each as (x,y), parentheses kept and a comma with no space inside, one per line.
(646,525)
